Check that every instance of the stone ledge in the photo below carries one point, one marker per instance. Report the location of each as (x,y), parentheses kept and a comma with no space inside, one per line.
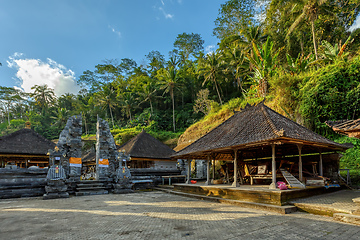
(261,206)
(348,218)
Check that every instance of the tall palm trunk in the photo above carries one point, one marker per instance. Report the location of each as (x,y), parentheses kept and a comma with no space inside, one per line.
(314,39)
(112,118)
(217,90)
(173,107)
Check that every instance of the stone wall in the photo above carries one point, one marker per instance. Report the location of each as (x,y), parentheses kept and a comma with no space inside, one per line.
(22,182)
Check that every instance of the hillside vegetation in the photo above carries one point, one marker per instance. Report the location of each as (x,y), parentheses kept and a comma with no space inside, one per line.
(301,57)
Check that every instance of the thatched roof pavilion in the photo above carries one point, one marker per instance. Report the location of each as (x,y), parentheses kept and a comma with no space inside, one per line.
(26,148)
(258,132)
(350,128)
(145,147)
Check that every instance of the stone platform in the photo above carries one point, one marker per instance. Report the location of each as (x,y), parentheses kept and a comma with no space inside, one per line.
(250,193)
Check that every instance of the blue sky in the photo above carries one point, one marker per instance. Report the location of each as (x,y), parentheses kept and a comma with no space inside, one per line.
(53,42)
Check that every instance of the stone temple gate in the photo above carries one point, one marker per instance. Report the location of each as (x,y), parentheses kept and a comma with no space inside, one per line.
(65,160)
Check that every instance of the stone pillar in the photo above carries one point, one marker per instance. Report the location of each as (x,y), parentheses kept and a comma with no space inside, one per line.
(273,168)
(188,171)
(106,154)
(236,182)
(69,145)
(300,163)
(208,171)
(321,169)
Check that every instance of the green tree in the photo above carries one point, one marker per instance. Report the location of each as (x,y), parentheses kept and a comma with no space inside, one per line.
(188,44)
(234,15)
(106,98)
(309,9)
(156,60)
(148,94)
(9,98)
(169,81)
(264,62)
(128,103)
(238,65)
(212,68)
(43,96)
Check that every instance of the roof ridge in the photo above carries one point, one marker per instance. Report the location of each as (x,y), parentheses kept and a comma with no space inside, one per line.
(277,132)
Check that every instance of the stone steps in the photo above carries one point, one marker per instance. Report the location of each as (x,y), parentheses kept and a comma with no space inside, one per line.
(90,188)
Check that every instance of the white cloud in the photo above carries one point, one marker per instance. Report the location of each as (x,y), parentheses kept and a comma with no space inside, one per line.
(166,15)
(162,2)
(118,33)
(209,49)
(32,72)
(356,24)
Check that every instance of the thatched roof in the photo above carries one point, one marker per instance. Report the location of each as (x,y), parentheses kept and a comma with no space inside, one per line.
(25,142)
(346,127)
(147,147)
(257,126)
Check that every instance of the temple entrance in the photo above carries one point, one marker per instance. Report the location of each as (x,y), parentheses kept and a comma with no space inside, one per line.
(70,152)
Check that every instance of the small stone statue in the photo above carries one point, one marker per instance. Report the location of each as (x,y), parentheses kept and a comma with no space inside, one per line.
(56,178)
(123,175)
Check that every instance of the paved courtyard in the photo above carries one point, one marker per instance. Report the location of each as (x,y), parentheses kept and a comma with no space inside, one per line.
(157,215)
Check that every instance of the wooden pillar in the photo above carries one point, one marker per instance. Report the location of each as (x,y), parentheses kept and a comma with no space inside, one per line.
(321,169)
(213,169)
(300,163)
(235,183)
(188,171)
(273,168)
(208,171)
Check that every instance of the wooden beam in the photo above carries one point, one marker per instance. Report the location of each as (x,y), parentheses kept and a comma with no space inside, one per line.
(23,155)
(321,170)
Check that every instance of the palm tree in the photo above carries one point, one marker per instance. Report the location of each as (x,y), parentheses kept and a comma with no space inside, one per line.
(128,102)
(310,10)
(9,98)
(148,94)
(62,117)
(43,96)
(106,98)
(245,38)
(237,64)
(212,67)
(169,80)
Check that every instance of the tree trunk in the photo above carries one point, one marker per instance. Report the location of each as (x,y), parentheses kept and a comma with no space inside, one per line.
(151,107)
(314,39)
(112,118)
(240,85)
(173,106)
(217,90)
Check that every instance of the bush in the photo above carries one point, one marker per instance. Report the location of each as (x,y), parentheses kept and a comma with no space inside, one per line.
(331,93)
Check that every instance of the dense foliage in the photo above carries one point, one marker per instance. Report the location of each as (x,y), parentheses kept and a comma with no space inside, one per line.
(298,55)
